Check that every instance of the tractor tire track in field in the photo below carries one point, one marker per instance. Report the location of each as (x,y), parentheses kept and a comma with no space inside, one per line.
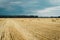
(11,29)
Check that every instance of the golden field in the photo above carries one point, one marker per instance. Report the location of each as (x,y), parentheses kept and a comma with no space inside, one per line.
(29,28)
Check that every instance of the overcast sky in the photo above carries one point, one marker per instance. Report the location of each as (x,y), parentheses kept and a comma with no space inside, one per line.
(30,7)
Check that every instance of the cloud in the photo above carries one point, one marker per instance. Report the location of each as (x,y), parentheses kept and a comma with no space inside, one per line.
(52,11)
(54,2)
(4,3)
(31,7)
(17,2)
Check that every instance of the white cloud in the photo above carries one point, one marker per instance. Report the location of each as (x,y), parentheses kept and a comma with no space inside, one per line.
(55,2)
(17,2)
(52,11)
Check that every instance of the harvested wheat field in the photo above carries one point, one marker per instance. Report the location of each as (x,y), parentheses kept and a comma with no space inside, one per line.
(29,28)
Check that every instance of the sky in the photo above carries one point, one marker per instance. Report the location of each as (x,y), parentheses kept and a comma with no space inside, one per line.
(30,7)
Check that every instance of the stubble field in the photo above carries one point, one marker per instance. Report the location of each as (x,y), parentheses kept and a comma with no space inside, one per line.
(29,28)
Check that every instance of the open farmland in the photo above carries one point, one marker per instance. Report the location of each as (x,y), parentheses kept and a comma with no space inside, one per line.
(29,28)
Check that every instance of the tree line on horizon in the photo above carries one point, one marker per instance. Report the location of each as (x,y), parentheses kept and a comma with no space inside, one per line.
(31,16)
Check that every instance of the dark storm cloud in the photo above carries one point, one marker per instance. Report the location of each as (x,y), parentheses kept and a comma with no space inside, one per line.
(18,7)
